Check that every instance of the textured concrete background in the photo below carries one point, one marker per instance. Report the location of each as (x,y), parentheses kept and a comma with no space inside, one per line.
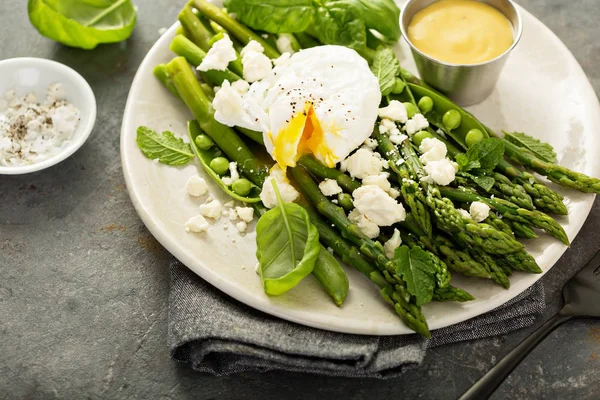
(83,285)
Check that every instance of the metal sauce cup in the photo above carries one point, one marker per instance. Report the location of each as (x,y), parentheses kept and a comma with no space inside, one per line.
(466,84)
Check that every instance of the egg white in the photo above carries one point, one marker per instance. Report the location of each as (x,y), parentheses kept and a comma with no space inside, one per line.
(323,100)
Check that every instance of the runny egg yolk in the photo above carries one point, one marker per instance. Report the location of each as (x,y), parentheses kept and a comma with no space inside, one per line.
(302,135)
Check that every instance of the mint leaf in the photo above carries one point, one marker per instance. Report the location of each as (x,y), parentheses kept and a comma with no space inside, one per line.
(486,182)
(416,269)
(385,67)
(484,155)
(541,150)
(165,147)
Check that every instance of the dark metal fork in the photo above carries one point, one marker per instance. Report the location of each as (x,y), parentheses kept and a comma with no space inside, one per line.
(582,299)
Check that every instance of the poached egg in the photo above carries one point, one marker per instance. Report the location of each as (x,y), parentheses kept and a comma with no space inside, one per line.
(323,101)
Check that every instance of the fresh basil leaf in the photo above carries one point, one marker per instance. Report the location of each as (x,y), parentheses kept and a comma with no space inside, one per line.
(385,67)
(486,182)
(484,155)
(543,151)
(382,16)
(274,16)
(287,246)
(83,23)
(417,270)
(165,147)
(340,22)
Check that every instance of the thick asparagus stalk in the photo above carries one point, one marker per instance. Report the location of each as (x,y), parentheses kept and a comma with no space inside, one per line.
(241,32)
(522,230)
(160,72)
(192,95)
(508,210)
(184,47)
(195,28)
(315,167)
(452,293)
(498,223)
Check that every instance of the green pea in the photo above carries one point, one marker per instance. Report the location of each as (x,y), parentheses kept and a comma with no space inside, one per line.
(420,136)
(204,142)
(345,201)
(411,109)
(425,104)
(451,119)
(473,136)
(220,165)
(241,186)
(399,86)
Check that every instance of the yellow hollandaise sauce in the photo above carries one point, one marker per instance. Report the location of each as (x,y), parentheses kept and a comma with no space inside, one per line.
(461,31)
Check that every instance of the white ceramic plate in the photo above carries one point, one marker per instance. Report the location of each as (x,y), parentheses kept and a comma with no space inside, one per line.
(542,91)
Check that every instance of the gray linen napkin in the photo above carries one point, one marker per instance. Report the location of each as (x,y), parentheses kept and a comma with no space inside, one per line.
(221,336)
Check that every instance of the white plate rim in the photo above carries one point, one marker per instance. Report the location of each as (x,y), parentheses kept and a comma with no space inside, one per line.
(325,322)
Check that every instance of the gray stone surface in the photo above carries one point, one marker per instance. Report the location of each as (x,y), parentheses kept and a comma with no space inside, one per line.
(83,285)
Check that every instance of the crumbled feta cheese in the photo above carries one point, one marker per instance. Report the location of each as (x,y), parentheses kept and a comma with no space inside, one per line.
(241,86)
(246,214)
(229,204)
(284,43)
(370,144)
(394,111)
(235,175)
(380,180)
(196,186)
(229,107)
(233,215)
(362,164)
(256,65)
(329,187)
(197,224)
(388,127)
(415,124)
(241,226)
(479,211)
(391,245)
(442,172)
(329,249)
(394,193)
(283,59)
(378,206)
(463,213)
(286,190)
(212,209)
(219,55)
(370,229)
(433,150)
(398,139)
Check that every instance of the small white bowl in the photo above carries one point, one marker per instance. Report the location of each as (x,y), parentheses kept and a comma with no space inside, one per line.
(27,75)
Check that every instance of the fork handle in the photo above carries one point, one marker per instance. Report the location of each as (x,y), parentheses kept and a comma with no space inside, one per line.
(484,387)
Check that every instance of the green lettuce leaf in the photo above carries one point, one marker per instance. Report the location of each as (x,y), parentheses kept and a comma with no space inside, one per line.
(165,147)
(385,67)
(274,16)
(83,23)
(541,150)
(417,270)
